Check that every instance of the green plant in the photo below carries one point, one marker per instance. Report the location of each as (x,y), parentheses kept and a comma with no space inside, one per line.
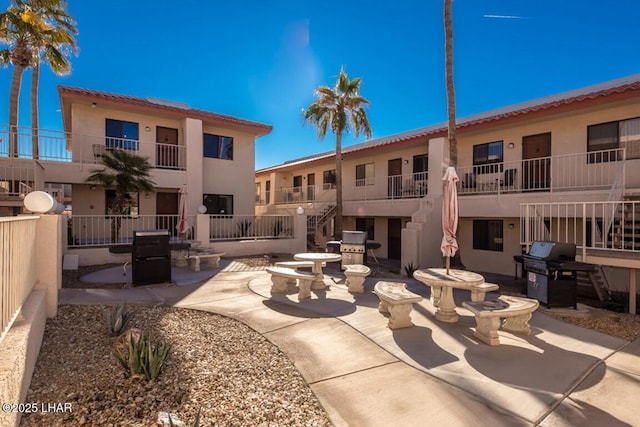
(196,422)
(243,227)
(117,318)
(142,357)
(410,269)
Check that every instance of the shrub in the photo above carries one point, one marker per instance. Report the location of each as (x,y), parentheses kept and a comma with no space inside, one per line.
(243,227)
(142,357)
(117,318)
(410,269)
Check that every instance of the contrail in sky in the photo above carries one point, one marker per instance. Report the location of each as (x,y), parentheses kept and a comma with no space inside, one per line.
(503,16)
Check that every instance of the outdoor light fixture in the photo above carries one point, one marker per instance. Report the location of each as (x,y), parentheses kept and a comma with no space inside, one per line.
(406,162)
(511,226)
(299,210)
(202,209)
(511,145)
(147,128)
(93,105)
(92,187)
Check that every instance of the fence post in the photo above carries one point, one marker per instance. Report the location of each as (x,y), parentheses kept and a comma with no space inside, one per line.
(49,252)
(202,229)
(300,231)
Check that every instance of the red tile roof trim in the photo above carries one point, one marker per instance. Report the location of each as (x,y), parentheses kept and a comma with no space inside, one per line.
(144,104)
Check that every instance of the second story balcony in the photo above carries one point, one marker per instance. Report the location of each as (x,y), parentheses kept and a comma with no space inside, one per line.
(58,146)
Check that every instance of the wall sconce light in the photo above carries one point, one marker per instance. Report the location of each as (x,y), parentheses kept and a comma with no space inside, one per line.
(406,162)
(299,210)
(147,195)
(202,209)
(511,226)
(511,145)
(147,128)
(92,187)
(93,105)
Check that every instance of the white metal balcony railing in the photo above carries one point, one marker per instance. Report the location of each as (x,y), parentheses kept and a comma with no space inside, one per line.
(17,266)
(52,146)
(589,225)
(250,227)
(101,230)
(18,177)
(578,171)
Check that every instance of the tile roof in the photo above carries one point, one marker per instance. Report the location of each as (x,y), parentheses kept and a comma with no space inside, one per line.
(548,105)
(160,106)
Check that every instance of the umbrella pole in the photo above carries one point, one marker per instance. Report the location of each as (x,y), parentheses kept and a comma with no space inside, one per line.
(448,263)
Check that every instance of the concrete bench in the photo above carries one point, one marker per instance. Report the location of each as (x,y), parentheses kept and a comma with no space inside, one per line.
(280,277)
(396,300)
(356,273)
(210,258)
(478,292)
(515,311)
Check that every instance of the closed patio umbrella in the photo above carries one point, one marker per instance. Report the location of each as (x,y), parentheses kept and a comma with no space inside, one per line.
(183,224)
(449,244)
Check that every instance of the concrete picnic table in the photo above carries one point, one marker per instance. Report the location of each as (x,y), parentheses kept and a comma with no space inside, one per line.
(318,258)
(442,285)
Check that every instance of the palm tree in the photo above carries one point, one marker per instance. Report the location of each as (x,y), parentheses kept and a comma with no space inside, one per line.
(54,50)
(127,173)
(341,109)
(451,99)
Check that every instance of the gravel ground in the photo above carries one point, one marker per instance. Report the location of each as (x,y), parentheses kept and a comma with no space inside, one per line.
(216,365)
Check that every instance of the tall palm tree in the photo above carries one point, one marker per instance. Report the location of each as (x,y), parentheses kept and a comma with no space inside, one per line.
(126,173)
(340,109)
(451,98)
(54,50)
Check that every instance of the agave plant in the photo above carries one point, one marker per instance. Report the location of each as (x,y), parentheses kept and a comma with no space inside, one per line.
(410,269)
(142,358)
(117,318)
(196,422)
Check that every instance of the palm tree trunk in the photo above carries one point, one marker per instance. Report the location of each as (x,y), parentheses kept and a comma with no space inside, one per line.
(14,97)
(35,80)
(451,99)
(337,229)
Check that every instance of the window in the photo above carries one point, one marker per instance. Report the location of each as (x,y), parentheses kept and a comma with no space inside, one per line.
(218,147)
(297,183)
(487,234)
(218,204)
(121,135)
(606,138)
(366,224)
(329,179)
(129,204)
(365,175)
(258,191)
(486,156)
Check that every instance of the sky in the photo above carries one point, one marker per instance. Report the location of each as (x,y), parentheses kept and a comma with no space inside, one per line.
(261,60)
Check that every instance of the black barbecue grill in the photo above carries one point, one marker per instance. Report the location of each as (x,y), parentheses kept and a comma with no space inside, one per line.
(150,257)
(551,271)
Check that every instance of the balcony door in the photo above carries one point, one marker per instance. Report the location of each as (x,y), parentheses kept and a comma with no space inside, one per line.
(167,148)
(394,178)
(311,186)
(536,162)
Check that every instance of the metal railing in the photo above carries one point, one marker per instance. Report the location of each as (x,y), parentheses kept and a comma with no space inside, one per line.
(578,171)
(307,193)
(17,177)
(52,146)
(111,230)
(250,227)
(590,225)
(17,266)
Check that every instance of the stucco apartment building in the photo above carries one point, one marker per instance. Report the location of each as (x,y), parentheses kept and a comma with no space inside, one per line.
(210,155)
(578,147)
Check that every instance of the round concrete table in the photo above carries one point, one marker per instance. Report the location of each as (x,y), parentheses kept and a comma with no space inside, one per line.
(442,285)
(318,258)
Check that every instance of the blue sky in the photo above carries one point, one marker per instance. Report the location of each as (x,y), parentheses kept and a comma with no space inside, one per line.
(261,59)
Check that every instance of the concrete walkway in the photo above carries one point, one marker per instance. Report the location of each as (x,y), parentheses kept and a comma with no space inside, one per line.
(433,374)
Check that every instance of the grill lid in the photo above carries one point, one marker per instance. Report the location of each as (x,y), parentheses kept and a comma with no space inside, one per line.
(354,237)
(547,251)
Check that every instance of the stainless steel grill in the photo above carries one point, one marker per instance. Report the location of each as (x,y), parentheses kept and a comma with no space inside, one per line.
(353,247)
(551,273)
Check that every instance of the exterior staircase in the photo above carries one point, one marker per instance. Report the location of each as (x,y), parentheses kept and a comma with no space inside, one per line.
(593,283)
(315,223)
(625,231)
